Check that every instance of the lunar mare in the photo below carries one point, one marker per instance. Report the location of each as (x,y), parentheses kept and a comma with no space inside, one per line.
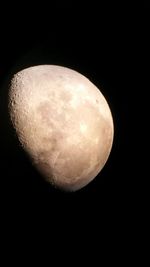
(63,122)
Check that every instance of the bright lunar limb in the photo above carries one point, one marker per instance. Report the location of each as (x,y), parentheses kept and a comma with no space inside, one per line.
(63,122)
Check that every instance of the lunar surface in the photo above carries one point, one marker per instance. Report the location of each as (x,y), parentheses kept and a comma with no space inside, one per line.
(63,122)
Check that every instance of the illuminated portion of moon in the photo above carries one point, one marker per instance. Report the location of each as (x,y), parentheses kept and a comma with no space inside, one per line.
(63,122)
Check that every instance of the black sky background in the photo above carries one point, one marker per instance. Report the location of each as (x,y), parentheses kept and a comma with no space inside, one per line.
(100,43)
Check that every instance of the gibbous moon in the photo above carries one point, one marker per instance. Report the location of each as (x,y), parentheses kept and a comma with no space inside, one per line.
(63,122)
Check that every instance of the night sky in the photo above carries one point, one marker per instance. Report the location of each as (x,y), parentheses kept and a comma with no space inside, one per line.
(102,45)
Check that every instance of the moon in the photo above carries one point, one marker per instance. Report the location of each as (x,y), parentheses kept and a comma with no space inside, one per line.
(63,122)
